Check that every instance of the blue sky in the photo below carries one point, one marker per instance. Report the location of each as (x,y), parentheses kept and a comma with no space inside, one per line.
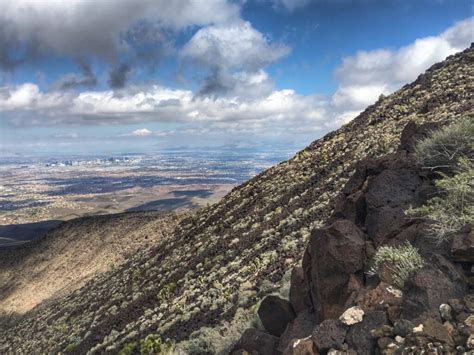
(108,76)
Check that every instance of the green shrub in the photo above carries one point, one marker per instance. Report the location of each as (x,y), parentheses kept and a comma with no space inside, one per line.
(446,146)
(128,349)
(401,260)
(152,345)
(453,208)
(70,348)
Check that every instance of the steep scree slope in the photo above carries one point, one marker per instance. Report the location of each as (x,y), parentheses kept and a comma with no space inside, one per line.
(232,253)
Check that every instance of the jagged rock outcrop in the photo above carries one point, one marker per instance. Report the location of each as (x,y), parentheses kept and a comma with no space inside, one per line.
(378,317)
(334,262)
(199,277)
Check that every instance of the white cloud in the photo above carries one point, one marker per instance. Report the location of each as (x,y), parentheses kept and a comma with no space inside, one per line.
(142,132)
(80,28)
(236,47)
(253,105)
(367,74)
(234,54)
(283,108)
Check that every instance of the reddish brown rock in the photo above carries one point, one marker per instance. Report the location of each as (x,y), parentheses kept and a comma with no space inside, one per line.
(437,332)
(329,334)
(462,247)
(359,337)
(299,290)
(301,327)
(256,341)
(303,346)
(275,313)
(333,254)
(430,287)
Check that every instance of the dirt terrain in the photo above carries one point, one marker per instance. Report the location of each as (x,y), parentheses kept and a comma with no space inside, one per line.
(72,253)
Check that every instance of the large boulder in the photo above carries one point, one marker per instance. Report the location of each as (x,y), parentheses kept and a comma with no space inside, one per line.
(303,346)
(299,290)
(462,247)
(413,133)
(254,340)
(388,195)
(333,258)
(426,289)
(301,327)
(359,336)
(330,333)
(275,313)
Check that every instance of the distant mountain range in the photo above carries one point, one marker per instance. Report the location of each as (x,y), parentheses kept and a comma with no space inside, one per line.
(204,279)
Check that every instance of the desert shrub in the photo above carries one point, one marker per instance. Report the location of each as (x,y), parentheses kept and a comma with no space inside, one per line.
(128,349)
(219,340)
(446,146)
(70,348)
(152,345)
(401,260)
(453,207)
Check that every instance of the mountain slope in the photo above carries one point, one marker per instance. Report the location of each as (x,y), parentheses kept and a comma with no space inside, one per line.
(226,257)
(73,252)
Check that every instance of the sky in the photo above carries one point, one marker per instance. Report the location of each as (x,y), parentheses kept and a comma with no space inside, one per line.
(83,76)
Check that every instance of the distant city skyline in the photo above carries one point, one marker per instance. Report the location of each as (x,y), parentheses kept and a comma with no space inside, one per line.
(127,75)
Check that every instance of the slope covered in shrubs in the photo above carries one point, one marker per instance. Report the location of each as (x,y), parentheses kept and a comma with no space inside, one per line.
(198,287)
(387,291)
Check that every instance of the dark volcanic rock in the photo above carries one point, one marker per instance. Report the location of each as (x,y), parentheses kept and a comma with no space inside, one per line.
(359,337)
(256,340)
(462,247)
(275,314)
(299,291)
(301,327)
(388,195)
(436,331)
(329,334)
(431,286)
(413,133)
(301,347)
(333,254)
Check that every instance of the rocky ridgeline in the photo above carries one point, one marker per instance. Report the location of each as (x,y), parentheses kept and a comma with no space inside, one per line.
(205,281)
(337,306)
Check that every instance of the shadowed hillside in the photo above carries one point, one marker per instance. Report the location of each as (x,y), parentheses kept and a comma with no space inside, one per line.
(225,258)
(73,252)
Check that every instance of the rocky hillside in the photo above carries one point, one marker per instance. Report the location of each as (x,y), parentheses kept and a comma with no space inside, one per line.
(374,281)
(66,257)
(224,259)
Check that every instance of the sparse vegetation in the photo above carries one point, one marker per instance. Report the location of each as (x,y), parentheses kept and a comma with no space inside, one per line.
(402,261)
(444,148)
(128,349)
(453,208)
(70,348)
(152,345)
(450,148)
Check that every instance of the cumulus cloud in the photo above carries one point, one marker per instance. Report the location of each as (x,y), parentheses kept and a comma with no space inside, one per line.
(160,104)
(79,27)
(367,74)
(234,54)
(253,105)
